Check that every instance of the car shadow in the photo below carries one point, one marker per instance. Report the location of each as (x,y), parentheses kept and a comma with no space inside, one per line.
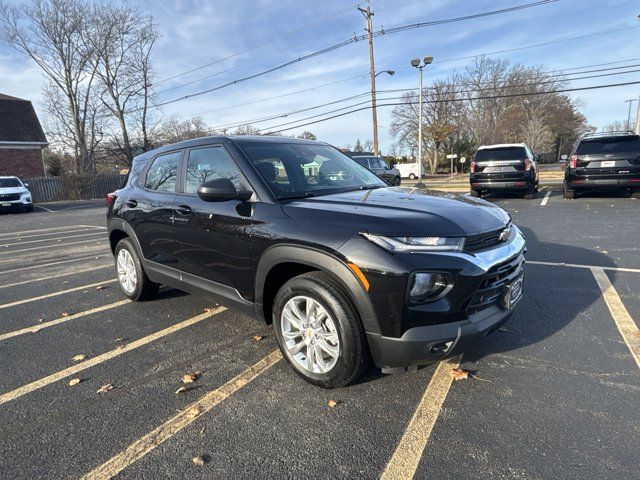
(540,314)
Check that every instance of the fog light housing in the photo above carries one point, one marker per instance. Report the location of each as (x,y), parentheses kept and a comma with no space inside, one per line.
(427,287)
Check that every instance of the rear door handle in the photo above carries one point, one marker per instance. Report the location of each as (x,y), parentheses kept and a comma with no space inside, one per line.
(184,210)
(132,203)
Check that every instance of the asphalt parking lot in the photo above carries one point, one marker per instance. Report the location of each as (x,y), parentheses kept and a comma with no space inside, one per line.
(553,394)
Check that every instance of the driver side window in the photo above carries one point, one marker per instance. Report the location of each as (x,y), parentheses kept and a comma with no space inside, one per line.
(211,163)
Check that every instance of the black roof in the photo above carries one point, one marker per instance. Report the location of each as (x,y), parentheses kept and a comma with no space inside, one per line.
(237,139)
(18,121)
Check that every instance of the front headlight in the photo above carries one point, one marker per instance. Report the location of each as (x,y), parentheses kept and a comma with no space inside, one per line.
(417,244)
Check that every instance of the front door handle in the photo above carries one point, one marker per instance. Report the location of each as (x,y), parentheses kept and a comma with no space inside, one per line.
(132,203)
(184,210)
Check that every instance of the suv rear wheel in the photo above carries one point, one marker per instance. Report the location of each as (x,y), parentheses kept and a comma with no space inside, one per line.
(568,193)
(318,330)
(530,192)
(475,193)
(132,279)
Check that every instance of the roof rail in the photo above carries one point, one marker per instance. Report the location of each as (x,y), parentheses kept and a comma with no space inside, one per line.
(612,133)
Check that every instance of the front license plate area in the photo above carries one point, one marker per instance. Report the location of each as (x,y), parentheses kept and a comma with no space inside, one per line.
(513,293)
(6,204)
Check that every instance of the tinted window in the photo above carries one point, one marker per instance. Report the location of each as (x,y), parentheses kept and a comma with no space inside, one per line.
(9,182)
(291,169)
(211,163)
(163,172)
(378,163)
(507,153)
(362,161)
(629,144)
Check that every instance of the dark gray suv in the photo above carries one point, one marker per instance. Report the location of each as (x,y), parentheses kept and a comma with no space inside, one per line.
(377,165)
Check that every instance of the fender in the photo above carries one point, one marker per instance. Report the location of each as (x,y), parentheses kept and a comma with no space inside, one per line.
(284,253)
(119,224)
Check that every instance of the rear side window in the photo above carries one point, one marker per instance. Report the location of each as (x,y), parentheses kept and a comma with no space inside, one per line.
(603,146)
(362,161)
(211,163)
(507,153)
(163,172)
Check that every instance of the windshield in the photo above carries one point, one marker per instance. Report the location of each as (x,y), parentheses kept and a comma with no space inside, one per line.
(299,170)
(9,182)
(629,144)
(508,153)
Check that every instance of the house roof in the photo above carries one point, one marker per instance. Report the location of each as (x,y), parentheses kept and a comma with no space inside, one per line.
(18,121)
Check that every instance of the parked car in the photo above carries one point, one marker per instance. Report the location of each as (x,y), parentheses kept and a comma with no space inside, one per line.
(504,167)
(603,161)
(377,165)
(346,269)
(14,195)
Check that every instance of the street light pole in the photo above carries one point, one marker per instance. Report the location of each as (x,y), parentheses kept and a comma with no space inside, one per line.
(417,63)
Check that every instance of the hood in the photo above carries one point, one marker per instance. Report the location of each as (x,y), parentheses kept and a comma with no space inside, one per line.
(400,211)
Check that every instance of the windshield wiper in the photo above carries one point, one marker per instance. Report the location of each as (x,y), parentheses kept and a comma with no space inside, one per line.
(370,187)
(299,195)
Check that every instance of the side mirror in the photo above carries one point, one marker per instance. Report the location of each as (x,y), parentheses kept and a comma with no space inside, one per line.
(538,157)
(26,185)
(564,158)
(220,190)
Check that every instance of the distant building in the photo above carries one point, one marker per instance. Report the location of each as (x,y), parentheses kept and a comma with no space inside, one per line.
(21,139)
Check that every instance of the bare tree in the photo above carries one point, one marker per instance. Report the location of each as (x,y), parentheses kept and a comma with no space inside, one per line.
(247,129)
(51,34)
(307,135)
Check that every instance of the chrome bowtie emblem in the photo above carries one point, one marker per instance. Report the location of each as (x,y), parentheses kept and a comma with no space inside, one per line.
(504,235)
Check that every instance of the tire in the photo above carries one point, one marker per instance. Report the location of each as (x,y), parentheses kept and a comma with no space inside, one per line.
(412,176)
(568,193)
(530,193)
(337,328)
(475,193)
(635,194)
(397,182)
(29,208)
(135,287)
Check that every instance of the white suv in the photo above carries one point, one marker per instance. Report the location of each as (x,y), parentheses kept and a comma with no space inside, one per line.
(14,195)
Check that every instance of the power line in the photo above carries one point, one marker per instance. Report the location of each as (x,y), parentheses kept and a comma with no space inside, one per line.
(565,90)
(350,41)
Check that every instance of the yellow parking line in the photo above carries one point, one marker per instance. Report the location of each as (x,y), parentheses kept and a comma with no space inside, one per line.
(144,445)
(405,459)
(626,326)
(52,241)
(79,367)
(545,199)
(40,279)
(58,321)
(52,229)
(588,267)
(59,262)
(22,237)
(55,245)
(54,294)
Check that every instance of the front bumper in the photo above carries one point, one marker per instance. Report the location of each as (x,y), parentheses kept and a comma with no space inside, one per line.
(430,342)
(23,203)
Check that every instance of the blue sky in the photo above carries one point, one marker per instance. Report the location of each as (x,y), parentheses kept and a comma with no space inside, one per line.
(196,32)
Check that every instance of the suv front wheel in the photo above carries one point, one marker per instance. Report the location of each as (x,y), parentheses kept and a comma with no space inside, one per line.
(318,330)
(132,279)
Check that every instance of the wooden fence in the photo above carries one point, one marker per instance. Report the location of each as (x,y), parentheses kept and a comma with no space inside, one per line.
(73,187)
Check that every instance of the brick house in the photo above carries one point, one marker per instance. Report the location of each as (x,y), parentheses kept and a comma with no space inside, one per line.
(21,139)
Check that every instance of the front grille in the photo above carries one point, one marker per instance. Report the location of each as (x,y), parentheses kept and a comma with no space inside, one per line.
(7,197)
(491,289)
(484,240)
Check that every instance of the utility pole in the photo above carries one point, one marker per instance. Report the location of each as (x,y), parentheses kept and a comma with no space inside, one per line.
(629,113)
(638,118)
(368,15)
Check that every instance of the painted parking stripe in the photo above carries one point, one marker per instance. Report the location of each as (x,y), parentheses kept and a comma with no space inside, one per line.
(44,208)
(15,234)
(58,275)
(405,459)
(626,326)
(89,257)
(79,367)
(55,294)
(164,432)
(50,234)
(55,245)
(58,321)
(588,267)
(52,241)
(545,199)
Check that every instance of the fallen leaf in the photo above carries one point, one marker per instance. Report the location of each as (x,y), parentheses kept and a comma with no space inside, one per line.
(193,412)
(74,381)
(79,357)
(604,251)
(65,282)
(119,340)
(100,287)
(459,374)
(332,403)
(181,390)
(209,309)
(40,320)
(191,377)
(257,338)
(65,314)
(202,430)
(35,330)
(199,460)
(105,388)
(637,333)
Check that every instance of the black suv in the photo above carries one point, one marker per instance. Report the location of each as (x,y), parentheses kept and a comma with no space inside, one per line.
(504,167)
(603,161)
(346,267)
(377,165)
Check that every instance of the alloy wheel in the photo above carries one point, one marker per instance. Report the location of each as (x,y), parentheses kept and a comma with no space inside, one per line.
(127,275)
